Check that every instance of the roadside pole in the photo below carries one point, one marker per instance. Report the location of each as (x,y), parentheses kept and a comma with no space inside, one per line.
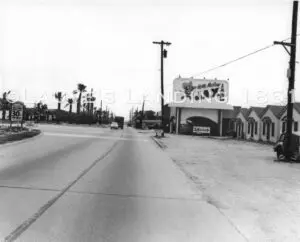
(163,54)
(100,118)
(142,116)
(291,77)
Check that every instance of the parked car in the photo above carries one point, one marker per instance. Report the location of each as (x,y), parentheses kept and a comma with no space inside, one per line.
(231,132)
(279,146)
(114,125)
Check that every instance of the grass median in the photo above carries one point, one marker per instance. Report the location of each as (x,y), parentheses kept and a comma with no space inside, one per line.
(11,135)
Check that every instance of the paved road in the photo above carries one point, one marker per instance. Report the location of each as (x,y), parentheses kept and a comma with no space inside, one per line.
(94,184)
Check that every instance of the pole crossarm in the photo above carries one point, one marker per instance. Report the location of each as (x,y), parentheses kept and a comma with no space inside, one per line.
(284,44)
(161,43)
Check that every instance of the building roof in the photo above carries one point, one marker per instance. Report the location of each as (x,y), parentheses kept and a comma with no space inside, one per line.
(236,110)
(296,107)
(277,110)
(233,113)
(257,110)
(244,112)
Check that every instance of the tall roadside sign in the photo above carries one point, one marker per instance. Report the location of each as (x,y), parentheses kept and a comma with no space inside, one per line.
(16,113)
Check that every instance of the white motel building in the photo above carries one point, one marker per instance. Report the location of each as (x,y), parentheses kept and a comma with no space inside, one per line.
(200,107)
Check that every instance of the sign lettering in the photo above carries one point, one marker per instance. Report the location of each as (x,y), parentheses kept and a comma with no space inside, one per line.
(17,113)
(201,130)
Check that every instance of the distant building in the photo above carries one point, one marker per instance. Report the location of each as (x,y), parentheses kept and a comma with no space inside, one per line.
(296,118)
(240,123)
(253,123)
(270,122)
(229,120)
(198,106)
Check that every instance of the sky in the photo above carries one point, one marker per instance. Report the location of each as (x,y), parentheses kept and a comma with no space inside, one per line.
(50,46)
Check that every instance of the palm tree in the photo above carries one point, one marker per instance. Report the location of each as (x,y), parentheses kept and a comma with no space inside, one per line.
(38,110)
(58,96)
(5,104)
(80,89)
(70,104)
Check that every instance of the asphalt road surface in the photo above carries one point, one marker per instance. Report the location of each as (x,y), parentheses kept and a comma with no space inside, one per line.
(96,184)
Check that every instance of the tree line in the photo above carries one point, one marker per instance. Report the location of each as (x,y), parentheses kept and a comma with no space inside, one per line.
(86,112)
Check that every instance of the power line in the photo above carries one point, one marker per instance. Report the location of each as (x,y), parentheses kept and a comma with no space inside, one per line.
(237,59)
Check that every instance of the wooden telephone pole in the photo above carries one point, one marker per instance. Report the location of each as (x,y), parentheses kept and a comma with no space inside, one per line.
(163,54)
(291,77)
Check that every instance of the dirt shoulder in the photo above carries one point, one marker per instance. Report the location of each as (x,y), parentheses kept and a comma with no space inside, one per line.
(259,196)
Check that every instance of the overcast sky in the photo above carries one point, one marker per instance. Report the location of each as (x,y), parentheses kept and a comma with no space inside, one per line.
(48,46)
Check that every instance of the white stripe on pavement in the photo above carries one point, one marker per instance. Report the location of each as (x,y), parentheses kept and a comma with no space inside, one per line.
(89,136)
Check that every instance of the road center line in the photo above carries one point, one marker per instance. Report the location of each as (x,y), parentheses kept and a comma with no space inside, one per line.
(27,223)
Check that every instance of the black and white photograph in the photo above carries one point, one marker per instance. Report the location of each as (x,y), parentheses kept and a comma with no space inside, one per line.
(149,121)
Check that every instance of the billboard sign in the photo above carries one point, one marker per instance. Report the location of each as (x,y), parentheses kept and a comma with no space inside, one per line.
(201,130)
(190,92)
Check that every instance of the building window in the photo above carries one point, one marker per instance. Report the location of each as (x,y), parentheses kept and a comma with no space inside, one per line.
(255,127)
(283,127)
(248,128)
(273,129)
(295,126)
(264,128)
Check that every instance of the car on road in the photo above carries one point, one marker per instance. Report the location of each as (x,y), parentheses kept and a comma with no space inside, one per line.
(120,121)
(114,125)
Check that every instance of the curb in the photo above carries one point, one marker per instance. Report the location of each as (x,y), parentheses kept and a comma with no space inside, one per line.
(159,144)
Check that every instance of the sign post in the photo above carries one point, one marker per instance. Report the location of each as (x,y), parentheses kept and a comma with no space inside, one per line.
(16,113)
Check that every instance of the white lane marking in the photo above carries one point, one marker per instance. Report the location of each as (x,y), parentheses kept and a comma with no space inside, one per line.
(90,136)
(27,223)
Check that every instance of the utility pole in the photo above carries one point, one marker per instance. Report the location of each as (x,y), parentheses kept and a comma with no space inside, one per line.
(142,118)
(92,103)
(100,118)
(291,77)
(132,115)
(163,54)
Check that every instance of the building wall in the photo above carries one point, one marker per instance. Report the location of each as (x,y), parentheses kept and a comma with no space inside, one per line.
(191,112)
(256,136)
(198,117)
(173,111)
(276,122)
(227,114)
(244,121)
(296,117)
